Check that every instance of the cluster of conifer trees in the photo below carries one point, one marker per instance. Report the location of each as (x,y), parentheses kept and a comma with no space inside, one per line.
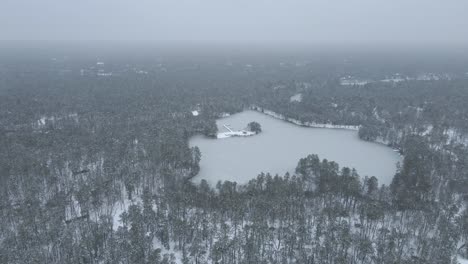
(95,170)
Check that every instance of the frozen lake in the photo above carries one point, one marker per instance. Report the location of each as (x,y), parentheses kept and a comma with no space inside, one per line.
(280,146)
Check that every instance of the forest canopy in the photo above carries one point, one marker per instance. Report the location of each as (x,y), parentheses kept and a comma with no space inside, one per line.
(95,164)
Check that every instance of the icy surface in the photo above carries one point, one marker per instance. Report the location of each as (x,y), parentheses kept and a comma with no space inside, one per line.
(280,145)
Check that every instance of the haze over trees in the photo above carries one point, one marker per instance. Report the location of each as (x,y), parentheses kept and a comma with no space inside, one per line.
(99,99)
(96,169)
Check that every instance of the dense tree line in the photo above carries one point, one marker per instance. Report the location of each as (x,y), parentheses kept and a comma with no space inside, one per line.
(95,169)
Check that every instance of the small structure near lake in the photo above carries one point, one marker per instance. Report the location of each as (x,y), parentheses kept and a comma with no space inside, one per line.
(232,133)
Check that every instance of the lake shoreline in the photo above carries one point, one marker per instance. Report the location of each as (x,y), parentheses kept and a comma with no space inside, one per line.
(317,125)
(240,157)
(240,133)
(300,123)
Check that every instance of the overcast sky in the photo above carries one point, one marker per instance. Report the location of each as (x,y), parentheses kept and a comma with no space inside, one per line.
(238,21)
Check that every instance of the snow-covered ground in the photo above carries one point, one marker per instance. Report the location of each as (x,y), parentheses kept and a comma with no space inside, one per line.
(41,122)
(171,251)
(296,98)
(456,136)
(462,260)
(119,208)
(351,82)
(394,79)
(140,71)
(224,114)
(377,116)
(104,74)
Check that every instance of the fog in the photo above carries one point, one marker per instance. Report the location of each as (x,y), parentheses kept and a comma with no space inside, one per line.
(413,22)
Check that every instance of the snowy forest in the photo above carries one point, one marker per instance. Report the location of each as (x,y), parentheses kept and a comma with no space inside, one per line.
(95,165)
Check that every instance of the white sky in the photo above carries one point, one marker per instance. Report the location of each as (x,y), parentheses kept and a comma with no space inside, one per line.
(238,21)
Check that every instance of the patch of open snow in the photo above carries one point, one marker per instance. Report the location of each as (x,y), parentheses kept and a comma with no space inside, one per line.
(224,115)
(72,210)
(419,110)
(395,80)
(41,122)
(350,81)
(428,77)
(119,209)
(296,98)
(177,254)
(377,116)
(353,82)
(428,130)
(456,136)
(141,72)
(280,86)
(104,74)
(462,260)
